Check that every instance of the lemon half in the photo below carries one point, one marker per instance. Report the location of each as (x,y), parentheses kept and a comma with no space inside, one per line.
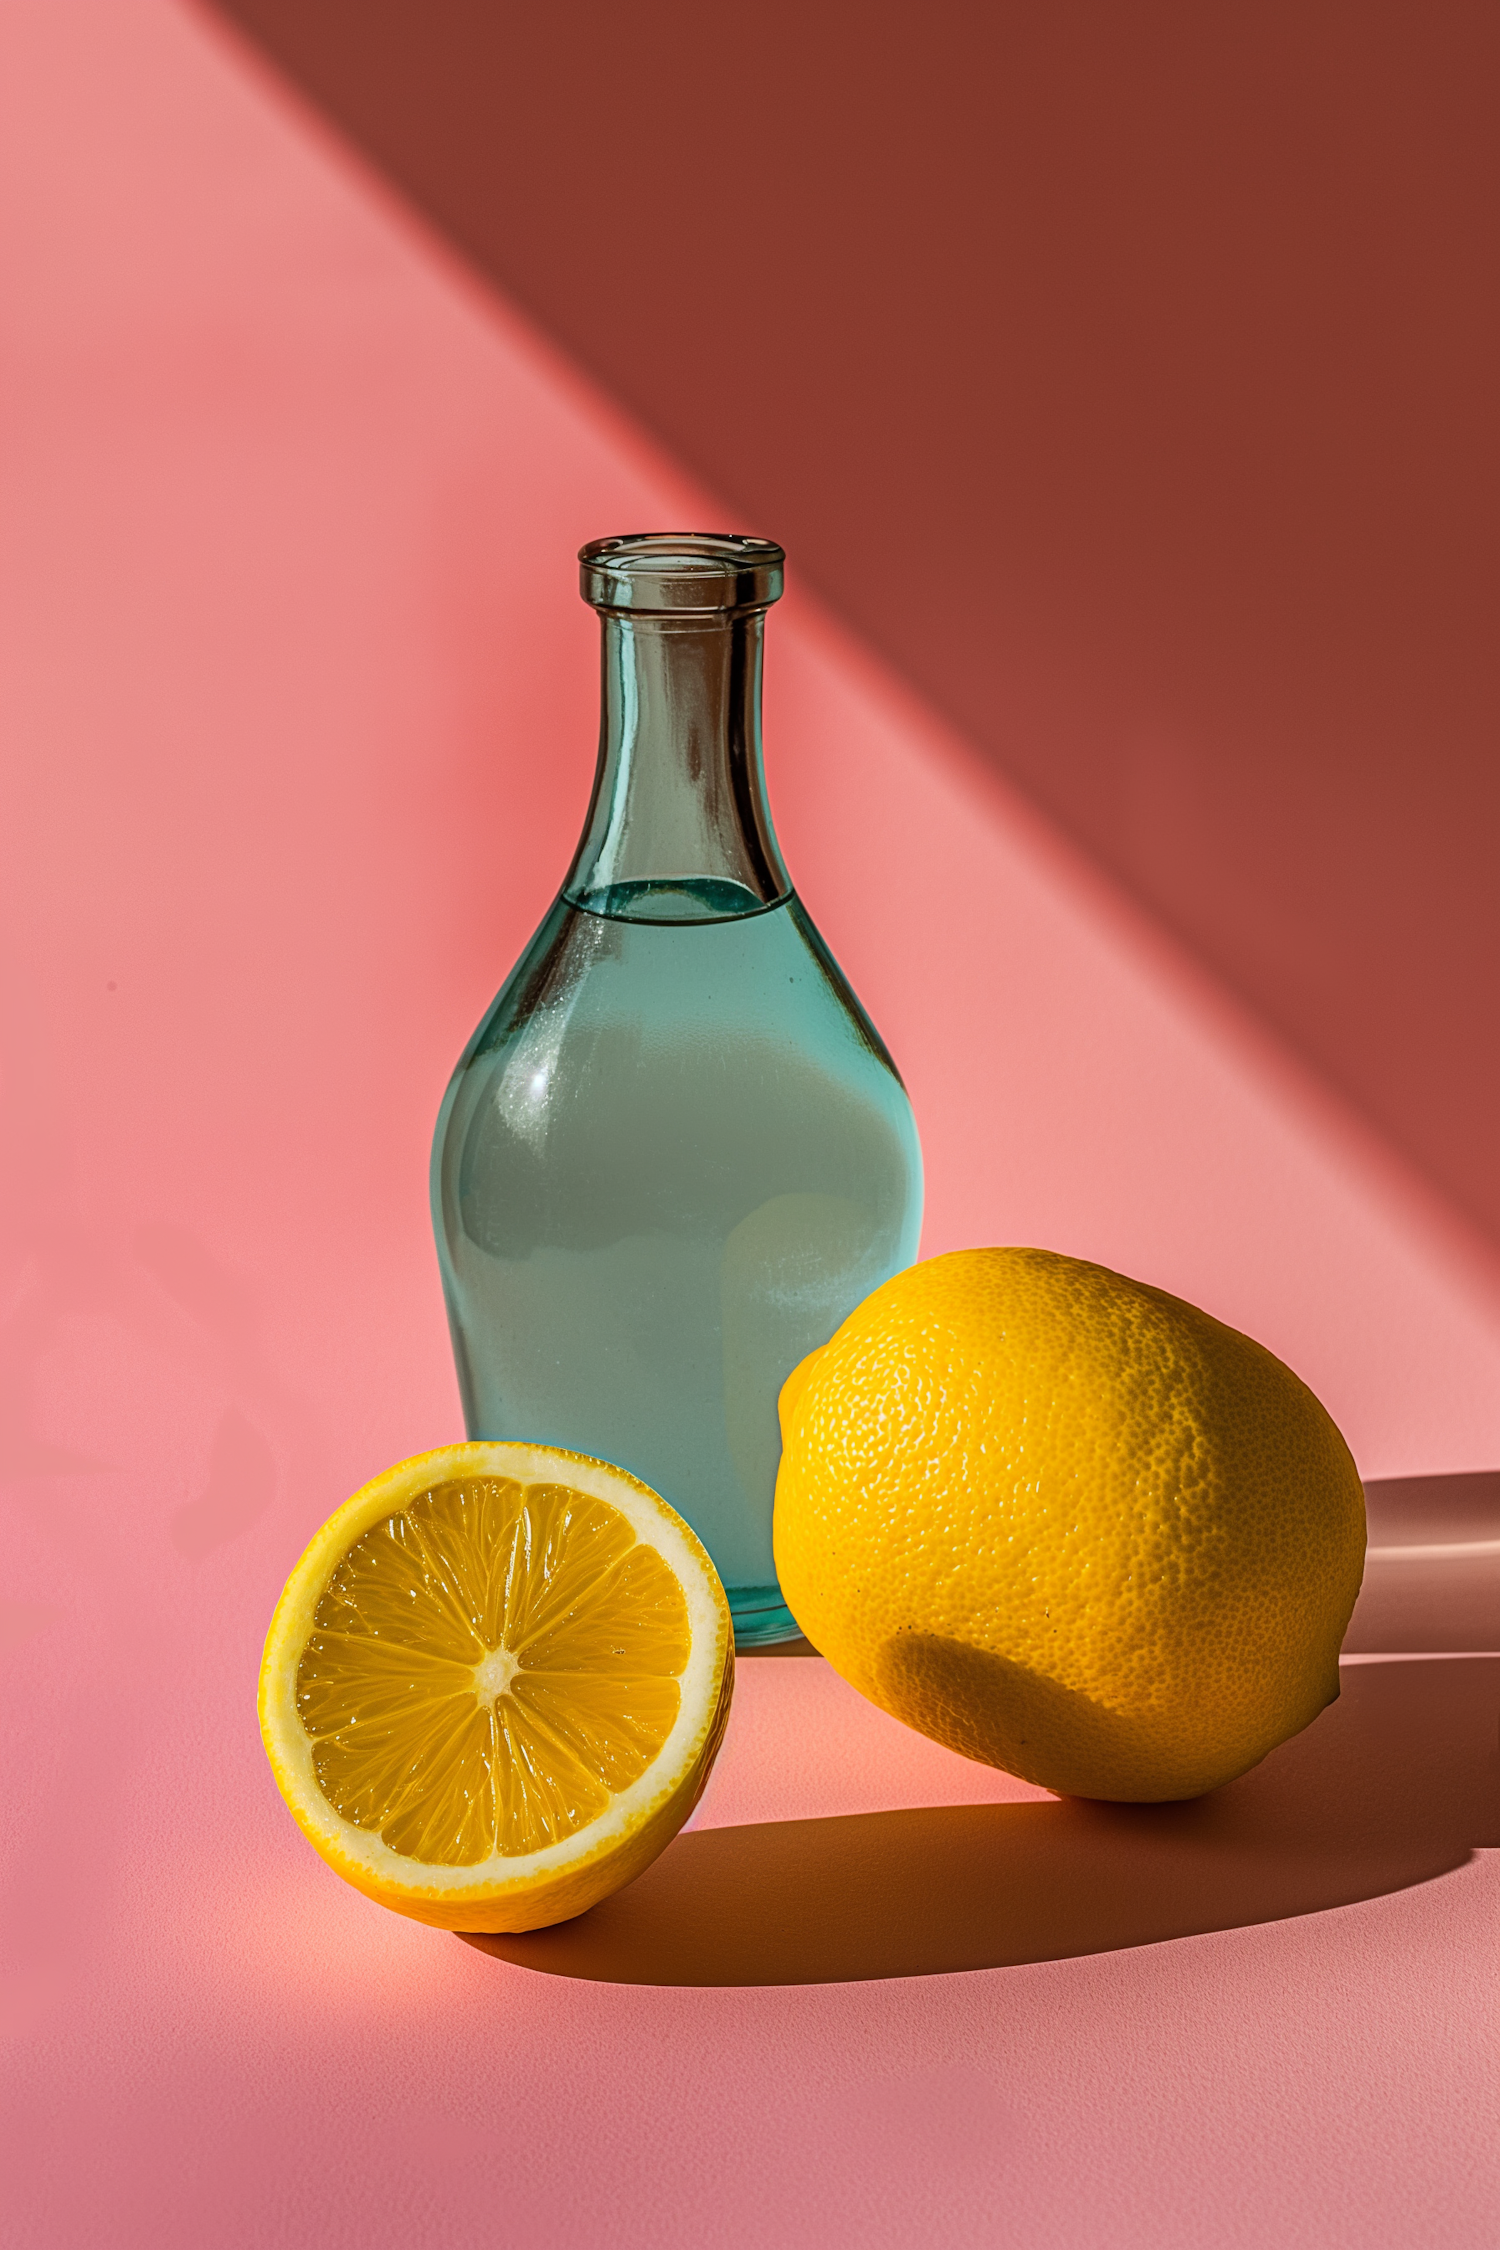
(495,1684)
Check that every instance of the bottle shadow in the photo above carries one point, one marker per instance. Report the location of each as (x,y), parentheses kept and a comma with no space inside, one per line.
(1396,1783)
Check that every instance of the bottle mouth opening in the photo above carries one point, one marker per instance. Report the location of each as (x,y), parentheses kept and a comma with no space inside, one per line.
(672,573)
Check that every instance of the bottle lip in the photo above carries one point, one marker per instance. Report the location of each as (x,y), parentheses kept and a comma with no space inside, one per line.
(672,573)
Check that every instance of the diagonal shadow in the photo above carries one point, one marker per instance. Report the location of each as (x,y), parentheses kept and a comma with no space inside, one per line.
(1394,1784)
(1035,642)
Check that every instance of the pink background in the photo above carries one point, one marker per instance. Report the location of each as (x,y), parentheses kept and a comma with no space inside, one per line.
(299,724)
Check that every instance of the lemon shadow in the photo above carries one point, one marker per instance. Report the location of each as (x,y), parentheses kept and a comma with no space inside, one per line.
(1394,1784)
(999,1712)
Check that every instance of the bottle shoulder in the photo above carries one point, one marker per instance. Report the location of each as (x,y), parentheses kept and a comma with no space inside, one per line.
(767,976)
(838,984)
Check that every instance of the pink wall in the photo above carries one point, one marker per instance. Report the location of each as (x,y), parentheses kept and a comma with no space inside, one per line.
(304,720)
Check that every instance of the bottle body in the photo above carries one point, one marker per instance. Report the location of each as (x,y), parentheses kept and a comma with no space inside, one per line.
(672,1160)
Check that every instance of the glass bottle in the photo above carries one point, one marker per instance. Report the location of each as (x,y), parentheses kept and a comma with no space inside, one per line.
(675,1154)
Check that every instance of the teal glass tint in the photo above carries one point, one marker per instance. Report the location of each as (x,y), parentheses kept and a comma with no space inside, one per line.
(675,1154)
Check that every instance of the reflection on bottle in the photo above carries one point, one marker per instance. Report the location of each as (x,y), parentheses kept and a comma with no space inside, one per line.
(790,1272)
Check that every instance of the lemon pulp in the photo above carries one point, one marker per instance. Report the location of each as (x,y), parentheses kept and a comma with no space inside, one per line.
(488,1667)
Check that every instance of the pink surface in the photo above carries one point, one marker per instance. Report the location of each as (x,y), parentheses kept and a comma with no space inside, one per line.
(299,722)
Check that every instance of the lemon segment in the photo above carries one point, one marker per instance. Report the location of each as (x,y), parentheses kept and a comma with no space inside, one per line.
(495,1684)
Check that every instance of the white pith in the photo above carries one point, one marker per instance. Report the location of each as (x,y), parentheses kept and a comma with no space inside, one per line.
(654,1524)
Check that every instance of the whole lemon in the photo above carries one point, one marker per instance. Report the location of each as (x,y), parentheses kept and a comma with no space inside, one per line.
(1068,1525)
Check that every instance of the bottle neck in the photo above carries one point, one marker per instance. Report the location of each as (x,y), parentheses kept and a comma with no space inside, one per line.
(678,829)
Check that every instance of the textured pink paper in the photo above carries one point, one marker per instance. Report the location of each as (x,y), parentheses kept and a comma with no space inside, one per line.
(299,714)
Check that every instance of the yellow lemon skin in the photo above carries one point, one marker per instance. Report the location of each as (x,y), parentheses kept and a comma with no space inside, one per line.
(1068,1525)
